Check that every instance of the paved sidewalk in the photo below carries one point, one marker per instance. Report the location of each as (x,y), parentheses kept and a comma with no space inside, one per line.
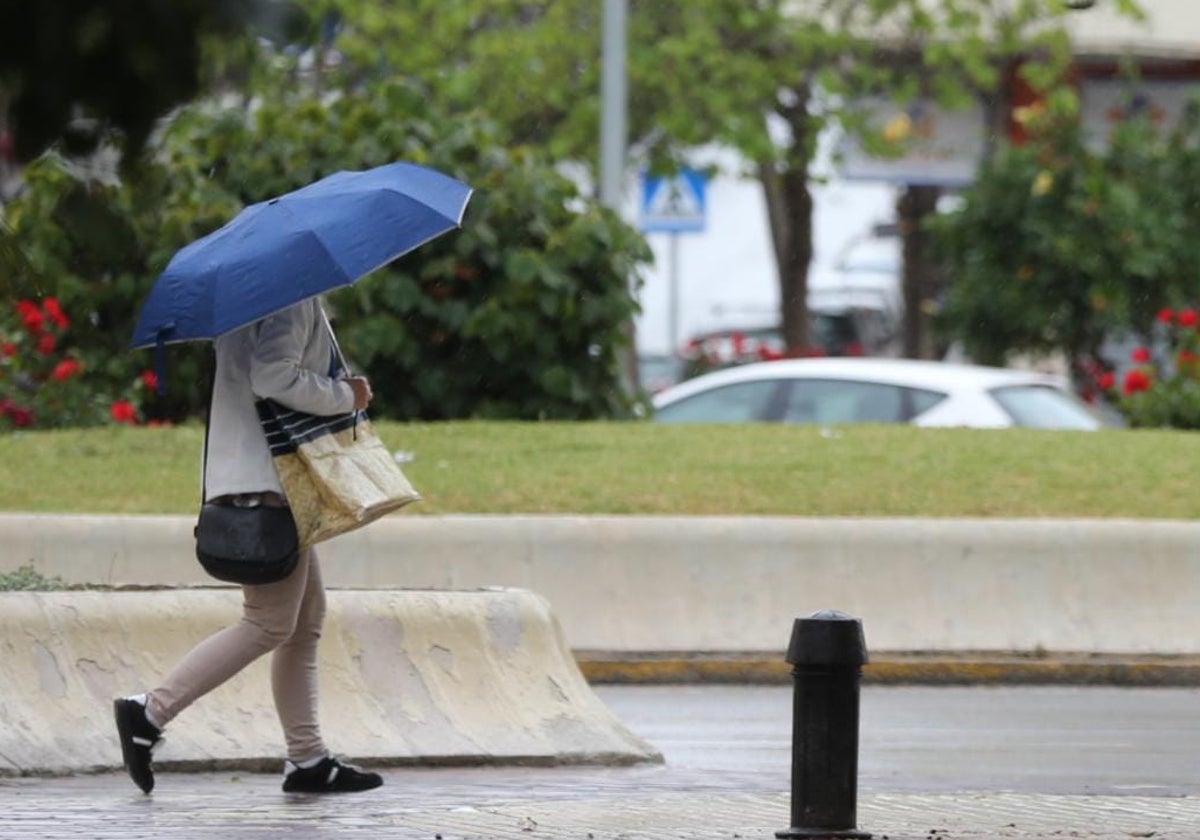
(935,764)
(531,803)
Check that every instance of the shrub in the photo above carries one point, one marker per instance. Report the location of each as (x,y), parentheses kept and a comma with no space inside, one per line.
(518,315)
(95,247)
(27,579)
(521,314)
(43,382)
(1062,242)
(1161,390)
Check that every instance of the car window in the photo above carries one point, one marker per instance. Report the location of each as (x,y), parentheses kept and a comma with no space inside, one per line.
(921,401)
(738,403)
(1043,407)
(843,401)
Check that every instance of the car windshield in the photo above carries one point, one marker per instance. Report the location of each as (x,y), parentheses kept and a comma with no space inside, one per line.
(1043,407)
(740,402)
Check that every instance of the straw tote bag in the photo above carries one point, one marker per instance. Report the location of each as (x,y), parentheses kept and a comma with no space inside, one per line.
(335,471)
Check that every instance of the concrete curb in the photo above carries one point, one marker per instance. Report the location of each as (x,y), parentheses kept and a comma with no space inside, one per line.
(680,585)
(900,669)
(468,677)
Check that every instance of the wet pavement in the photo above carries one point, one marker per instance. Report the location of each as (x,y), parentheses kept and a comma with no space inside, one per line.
(941,763)
(1061,740)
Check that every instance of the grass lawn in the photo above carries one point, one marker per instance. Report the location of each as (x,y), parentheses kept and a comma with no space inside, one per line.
(641,468)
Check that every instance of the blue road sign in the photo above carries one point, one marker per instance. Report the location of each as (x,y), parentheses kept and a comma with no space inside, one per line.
(676,204)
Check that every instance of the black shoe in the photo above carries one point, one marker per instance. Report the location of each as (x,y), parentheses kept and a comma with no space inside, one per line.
(138,738)
(328,776)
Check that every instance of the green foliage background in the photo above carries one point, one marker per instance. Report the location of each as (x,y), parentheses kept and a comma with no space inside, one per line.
(519,315)
(1061,243)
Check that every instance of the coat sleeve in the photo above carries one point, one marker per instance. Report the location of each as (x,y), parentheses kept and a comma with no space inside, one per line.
(277,372)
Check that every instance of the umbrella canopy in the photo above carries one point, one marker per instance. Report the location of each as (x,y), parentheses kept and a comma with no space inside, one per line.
(282,251)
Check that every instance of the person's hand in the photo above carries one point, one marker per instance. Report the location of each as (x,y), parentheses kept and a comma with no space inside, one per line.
(362,391)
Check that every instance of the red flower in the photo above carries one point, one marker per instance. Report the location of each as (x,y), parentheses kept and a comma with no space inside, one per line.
(1140,355)
(1188,318)
(20,417)
(65,370)
(31,317)
(8,348)
(1136,381)
(1106,381)
(1165,316)
(52,310)
(149,379)
(46,344)
(1187,357)
(122,411)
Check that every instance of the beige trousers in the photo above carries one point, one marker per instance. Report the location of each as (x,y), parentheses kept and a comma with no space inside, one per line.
(284,617)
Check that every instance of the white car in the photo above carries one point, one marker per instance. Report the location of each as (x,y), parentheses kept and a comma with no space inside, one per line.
(856,390)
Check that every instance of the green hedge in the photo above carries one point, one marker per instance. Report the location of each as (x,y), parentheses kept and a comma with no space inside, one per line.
(519,315)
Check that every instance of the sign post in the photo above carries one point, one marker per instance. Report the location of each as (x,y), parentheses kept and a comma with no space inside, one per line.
(673,205)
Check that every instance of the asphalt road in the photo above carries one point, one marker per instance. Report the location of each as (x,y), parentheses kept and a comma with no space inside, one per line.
(1055,740)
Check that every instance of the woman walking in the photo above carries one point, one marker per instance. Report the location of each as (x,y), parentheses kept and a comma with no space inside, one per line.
(287,357)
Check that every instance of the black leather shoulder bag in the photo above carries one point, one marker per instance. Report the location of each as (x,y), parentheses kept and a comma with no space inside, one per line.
(238,543)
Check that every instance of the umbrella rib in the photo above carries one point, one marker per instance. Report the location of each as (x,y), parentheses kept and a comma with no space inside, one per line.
(462,210)
(400,254)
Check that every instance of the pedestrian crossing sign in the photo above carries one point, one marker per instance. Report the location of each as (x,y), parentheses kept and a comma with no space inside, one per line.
(673,204)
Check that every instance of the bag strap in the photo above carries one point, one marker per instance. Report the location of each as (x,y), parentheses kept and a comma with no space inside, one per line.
(337,348)
(344,368)
(212,387)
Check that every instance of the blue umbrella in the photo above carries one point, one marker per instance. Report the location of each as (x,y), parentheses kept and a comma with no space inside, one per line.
(282,251)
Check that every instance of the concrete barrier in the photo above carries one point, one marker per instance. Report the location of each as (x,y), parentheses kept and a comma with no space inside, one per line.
(636,584)
(463,677)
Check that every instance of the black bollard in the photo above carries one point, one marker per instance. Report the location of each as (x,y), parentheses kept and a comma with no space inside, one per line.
(827,652)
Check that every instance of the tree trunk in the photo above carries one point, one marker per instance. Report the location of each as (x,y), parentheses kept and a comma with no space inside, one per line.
(919,274)
(790,217)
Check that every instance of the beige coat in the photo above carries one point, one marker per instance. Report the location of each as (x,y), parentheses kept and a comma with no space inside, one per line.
(285,357)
